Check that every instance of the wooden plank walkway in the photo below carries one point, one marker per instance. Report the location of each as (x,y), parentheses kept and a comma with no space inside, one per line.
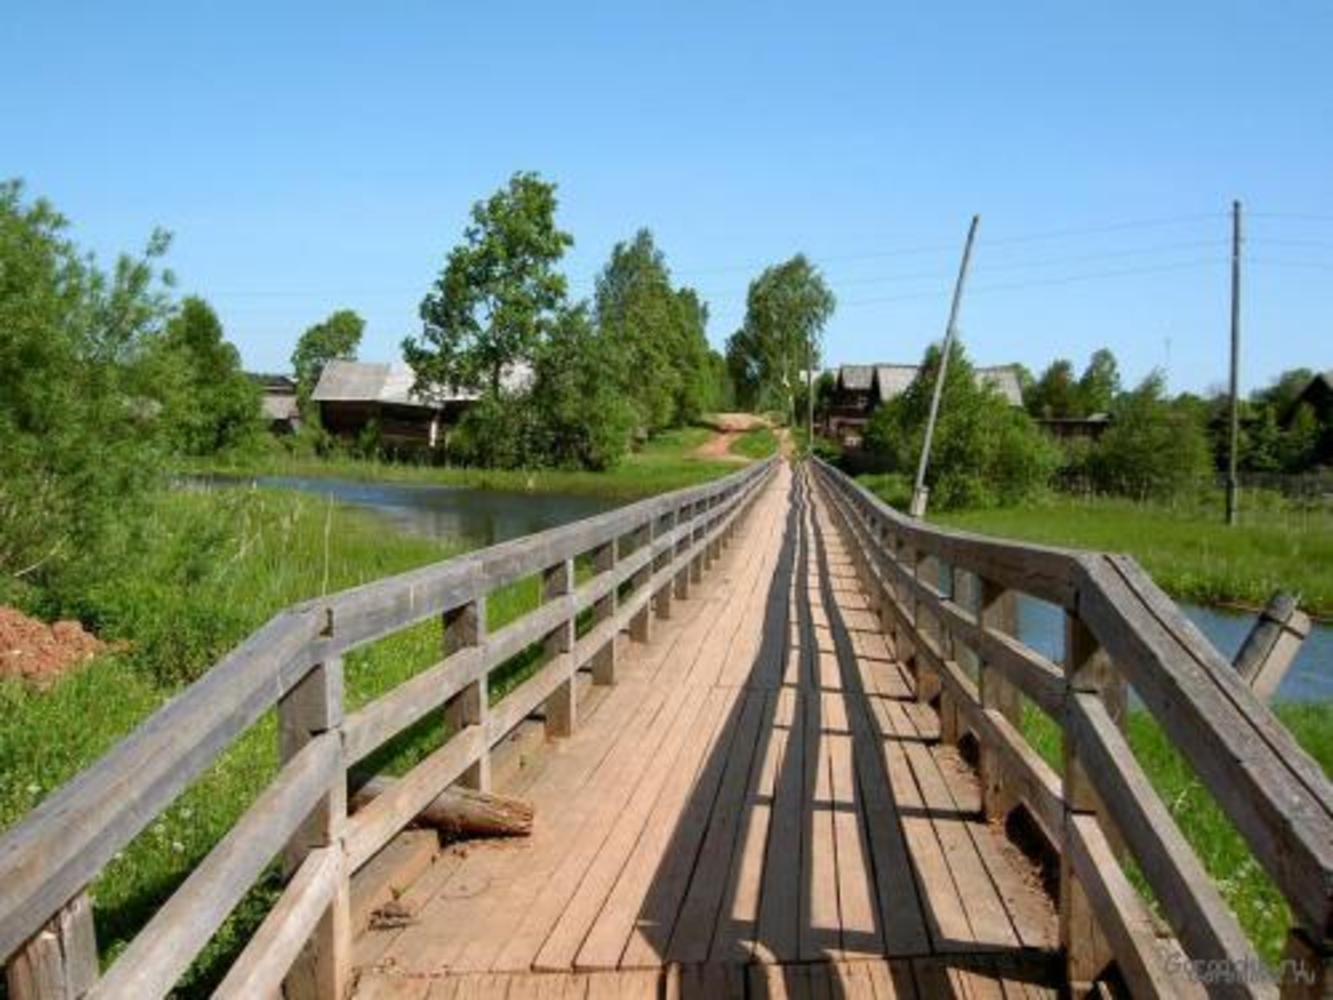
(759,807)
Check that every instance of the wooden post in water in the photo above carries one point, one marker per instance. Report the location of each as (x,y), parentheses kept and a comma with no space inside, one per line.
(313,708)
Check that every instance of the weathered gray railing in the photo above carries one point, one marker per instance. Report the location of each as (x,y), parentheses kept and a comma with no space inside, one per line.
(640,556)
(1119,629)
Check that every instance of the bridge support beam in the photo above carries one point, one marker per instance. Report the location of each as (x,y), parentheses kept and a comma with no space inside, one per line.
(997,609)
(463,627)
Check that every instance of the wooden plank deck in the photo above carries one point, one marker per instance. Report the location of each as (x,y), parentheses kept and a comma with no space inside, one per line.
(759,807)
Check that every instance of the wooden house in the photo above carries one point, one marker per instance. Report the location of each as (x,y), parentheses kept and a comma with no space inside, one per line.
(278,403)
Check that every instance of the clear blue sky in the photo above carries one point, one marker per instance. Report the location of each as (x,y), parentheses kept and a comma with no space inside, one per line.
(314,156)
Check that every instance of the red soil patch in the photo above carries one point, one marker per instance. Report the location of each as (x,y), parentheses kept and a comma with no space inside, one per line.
(39,653)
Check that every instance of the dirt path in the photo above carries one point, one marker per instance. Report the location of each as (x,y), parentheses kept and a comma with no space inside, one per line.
(727,427)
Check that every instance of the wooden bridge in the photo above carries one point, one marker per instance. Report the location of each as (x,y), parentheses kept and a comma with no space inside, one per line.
(774,734)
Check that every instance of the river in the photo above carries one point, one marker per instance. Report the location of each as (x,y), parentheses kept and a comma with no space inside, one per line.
(484,517)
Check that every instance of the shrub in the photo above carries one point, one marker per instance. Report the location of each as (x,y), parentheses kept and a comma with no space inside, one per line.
(985,452)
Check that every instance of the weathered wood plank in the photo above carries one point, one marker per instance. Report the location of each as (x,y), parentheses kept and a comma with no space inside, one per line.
(60,961)
(263,964)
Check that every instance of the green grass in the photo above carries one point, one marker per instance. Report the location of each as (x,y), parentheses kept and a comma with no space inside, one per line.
(1247,889)
(756,443)
(666,462)
(242,557)
(1188,550)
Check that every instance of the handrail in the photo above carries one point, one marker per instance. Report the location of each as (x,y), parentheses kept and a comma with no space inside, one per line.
(1120,628)
(654,548)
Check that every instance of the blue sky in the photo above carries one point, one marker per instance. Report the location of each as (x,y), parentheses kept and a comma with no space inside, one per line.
(314,156)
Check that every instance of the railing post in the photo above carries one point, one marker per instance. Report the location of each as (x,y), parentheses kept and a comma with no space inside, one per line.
(641,625)
(927,681)
(561,711)
(684,576)
(662,600)
(1087,669)
(464,627)
(946,584)
(997,610)
(310,709)
(60,960)
(604,660)
(1307,966)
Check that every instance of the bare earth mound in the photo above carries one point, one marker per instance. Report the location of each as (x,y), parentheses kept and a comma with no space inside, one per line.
(34,651)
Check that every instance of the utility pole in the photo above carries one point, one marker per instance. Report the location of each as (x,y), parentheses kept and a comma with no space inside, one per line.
(1233,484)
(920,494)
(810,393)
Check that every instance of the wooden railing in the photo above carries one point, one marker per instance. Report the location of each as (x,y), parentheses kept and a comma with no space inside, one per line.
(634,560)
(947,600)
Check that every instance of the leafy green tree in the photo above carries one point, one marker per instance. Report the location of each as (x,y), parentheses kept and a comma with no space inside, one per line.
(499,294)
(658,333)
(786,309)
(985,452)
(337,338)
(1055,394)
(582,420)
(80,437)
(1299,447)
(1155,449)
(1099,384)
(209,405)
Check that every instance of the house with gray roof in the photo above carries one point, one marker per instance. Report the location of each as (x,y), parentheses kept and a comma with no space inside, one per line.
(861,389)
(359,397)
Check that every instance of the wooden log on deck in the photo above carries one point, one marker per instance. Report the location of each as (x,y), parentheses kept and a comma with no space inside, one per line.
(460,812)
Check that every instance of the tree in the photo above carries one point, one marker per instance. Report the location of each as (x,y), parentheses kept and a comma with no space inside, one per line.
(80,432)
(1155,449)
(1099,384)
(337,338)
(208,403)
(582,420)
(1055,394)
(498,295)
(985,452)
(658,333)
(786,309)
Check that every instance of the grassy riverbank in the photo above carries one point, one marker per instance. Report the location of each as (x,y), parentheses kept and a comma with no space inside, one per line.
(1247,889)
(1188,550)
(666,462)
(213,567)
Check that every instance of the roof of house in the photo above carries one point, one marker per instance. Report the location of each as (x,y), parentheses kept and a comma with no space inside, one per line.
(1004,380)
(888,381)
(856,378)
(279,406)
(272,383)
(375,382)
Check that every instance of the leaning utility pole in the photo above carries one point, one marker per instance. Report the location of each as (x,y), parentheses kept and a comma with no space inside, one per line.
(920,494)
(1233,484)
(810,393)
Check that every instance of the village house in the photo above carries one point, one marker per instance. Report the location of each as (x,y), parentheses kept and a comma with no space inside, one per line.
(859,390)
(278,403)
(359,398)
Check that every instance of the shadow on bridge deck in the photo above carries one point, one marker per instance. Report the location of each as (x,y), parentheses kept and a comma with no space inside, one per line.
(760,807)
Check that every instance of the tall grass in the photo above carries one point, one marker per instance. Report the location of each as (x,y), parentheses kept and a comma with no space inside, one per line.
(1246,887)
(1187,549)
(214,567)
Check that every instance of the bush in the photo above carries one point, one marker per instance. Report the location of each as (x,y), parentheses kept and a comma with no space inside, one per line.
(1155,450)
(985,452)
